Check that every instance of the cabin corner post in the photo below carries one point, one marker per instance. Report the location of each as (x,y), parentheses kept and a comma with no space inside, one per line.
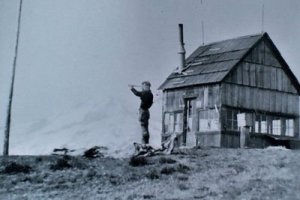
(223,129)
(297,128)
(185,123)
(163,132)
(162,125)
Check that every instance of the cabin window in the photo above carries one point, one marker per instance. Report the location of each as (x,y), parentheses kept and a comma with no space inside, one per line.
(173,122)
(261,123)
(231,120)
(276,126)
(289,127)
(166,122)
(208,121)
(203,121)
(257,123)
(178,122)
(200,99)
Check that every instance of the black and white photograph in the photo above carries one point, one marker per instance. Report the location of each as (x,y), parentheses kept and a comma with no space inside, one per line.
(149,99)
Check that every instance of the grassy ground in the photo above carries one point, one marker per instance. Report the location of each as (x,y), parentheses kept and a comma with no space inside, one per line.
(191,174)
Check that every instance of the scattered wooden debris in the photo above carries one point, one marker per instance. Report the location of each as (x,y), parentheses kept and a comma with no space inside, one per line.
(62,151)
(94,152)
(147,150)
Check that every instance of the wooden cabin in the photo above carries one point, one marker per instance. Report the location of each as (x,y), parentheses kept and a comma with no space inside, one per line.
(219,80)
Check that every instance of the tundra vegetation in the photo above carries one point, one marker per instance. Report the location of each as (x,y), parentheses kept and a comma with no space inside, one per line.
(215,173)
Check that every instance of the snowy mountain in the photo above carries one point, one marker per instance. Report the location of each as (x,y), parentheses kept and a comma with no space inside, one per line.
(110,122)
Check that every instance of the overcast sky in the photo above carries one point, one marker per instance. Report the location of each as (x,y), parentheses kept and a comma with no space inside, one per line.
(72,51)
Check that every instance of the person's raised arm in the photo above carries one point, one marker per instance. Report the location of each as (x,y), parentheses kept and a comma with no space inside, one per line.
(137,93)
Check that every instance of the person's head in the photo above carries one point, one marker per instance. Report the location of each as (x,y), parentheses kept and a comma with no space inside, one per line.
(146,85)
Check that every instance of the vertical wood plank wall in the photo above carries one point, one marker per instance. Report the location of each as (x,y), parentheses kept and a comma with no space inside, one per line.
(260,99)
(206,98)
(260,83)
(208,95)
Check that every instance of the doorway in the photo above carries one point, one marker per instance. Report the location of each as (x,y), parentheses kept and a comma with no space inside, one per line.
(189,137)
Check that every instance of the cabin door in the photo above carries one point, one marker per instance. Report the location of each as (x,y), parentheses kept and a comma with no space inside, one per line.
(189,137)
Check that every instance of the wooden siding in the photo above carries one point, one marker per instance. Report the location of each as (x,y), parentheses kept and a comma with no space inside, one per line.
(261,69)
(230,139)
(205,97)
(260,83)
(212,139)
(262,54)
(259,99)
(261,76)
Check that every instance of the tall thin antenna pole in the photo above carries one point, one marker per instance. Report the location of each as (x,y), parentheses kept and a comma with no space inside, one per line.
(202,24)
(8,117)
(262,18)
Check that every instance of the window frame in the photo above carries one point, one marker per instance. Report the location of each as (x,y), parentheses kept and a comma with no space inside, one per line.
(232,121)
(276,126)
(170,127)
(289,129)
(209,116)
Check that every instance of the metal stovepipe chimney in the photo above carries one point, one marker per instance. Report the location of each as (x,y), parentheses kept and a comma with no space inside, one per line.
(181,50)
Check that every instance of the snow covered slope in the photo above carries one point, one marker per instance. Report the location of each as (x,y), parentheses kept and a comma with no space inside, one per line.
(110,122)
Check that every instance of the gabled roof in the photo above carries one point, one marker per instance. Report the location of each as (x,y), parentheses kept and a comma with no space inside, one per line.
(211,63)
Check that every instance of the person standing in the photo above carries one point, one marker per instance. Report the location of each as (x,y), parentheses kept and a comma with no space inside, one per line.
(144,114)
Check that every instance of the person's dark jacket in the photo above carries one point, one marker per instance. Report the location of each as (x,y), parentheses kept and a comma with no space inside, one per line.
(146,98)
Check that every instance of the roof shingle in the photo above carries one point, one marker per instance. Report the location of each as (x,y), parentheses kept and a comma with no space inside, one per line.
(212,62)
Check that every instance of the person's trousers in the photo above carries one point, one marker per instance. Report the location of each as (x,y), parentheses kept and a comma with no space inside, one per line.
(144,120)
